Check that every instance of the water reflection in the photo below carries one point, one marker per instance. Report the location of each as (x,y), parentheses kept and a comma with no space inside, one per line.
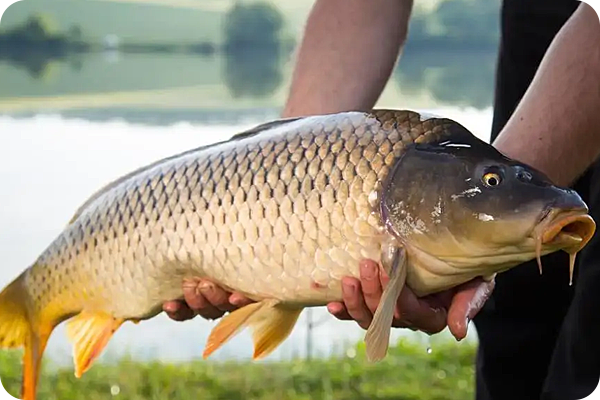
(253,74)
(461,77)
(453,78)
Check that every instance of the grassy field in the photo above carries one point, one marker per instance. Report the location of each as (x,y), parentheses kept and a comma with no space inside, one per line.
(162,21)
(408,373)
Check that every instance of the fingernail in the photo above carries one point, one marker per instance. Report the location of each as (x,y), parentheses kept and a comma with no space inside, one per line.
(352,288)
(236,300)
(348,285)
(368,272)
(467,320)
(206,287)
(333,308)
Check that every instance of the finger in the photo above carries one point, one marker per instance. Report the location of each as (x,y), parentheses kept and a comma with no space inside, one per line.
(355,302)
(198,303)
(339,311)
(418,313)
(441,299)
(216,296)
(178,311)
(467,302)
(238,300)
(371,284)
(173,306)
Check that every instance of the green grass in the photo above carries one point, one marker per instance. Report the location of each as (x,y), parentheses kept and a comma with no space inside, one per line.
(408,373)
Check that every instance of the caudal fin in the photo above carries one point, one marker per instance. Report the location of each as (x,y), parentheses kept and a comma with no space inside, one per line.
(16,330)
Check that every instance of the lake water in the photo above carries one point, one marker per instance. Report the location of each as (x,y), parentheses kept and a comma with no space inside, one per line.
(66,135)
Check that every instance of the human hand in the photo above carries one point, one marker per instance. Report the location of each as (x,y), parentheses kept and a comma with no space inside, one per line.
(453,308)
(431,314)
(205,298)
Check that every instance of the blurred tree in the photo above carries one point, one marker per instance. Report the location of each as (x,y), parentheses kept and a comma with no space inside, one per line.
(38,27)
(253,49)
(36,44)
(35,28)
(468,20)
(255,24)
(75,33)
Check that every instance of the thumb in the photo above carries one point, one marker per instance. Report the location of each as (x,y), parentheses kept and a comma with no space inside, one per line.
(466,303)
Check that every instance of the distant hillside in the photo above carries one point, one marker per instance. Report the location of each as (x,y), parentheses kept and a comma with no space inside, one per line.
(128,20)
(152,20)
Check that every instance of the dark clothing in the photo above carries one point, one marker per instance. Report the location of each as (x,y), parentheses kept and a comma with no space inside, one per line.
(539,337)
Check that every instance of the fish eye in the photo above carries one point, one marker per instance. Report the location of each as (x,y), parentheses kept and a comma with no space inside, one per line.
(491,179)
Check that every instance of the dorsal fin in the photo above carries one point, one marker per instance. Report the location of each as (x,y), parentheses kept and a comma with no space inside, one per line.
(263,127)
(239,136)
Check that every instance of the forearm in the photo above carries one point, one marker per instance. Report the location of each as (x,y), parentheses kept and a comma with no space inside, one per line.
(556,126)
(347,55)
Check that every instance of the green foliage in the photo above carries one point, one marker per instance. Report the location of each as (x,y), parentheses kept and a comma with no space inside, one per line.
(255,24)
(37,27)
(408,373)
(253,45)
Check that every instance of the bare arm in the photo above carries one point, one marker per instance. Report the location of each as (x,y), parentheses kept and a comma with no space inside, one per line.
(347,54)
(556,126)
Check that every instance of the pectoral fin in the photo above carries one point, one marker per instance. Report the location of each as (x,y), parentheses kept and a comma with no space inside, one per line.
(90,332)
(378,335)
(270,322)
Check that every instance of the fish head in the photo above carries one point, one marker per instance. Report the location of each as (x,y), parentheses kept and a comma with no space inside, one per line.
(462,210)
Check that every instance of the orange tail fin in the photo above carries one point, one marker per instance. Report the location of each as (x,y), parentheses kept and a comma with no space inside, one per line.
(17,330)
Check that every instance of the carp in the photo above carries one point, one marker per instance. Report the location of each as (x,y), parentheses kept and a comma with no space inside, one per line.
(281,213)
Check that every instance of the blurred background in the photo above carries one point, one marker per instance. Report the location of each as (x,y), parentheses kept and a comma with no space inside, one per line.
(90,90)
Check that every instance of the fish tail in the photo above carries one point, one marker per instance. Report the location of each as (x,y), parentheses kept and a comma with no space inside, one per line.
(17,330)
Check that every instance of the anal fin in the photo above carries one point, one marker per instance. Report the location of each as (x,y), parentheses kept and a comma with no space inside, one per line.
(378,335)
(90,332)
(271,324)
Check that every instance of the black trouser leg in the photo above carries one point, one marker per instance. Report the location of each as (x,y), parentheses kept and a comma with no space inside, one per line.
(574,370)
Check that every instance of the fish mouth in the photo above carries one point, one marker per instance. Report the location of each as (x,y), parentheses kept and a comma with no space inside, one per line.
(569,230)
